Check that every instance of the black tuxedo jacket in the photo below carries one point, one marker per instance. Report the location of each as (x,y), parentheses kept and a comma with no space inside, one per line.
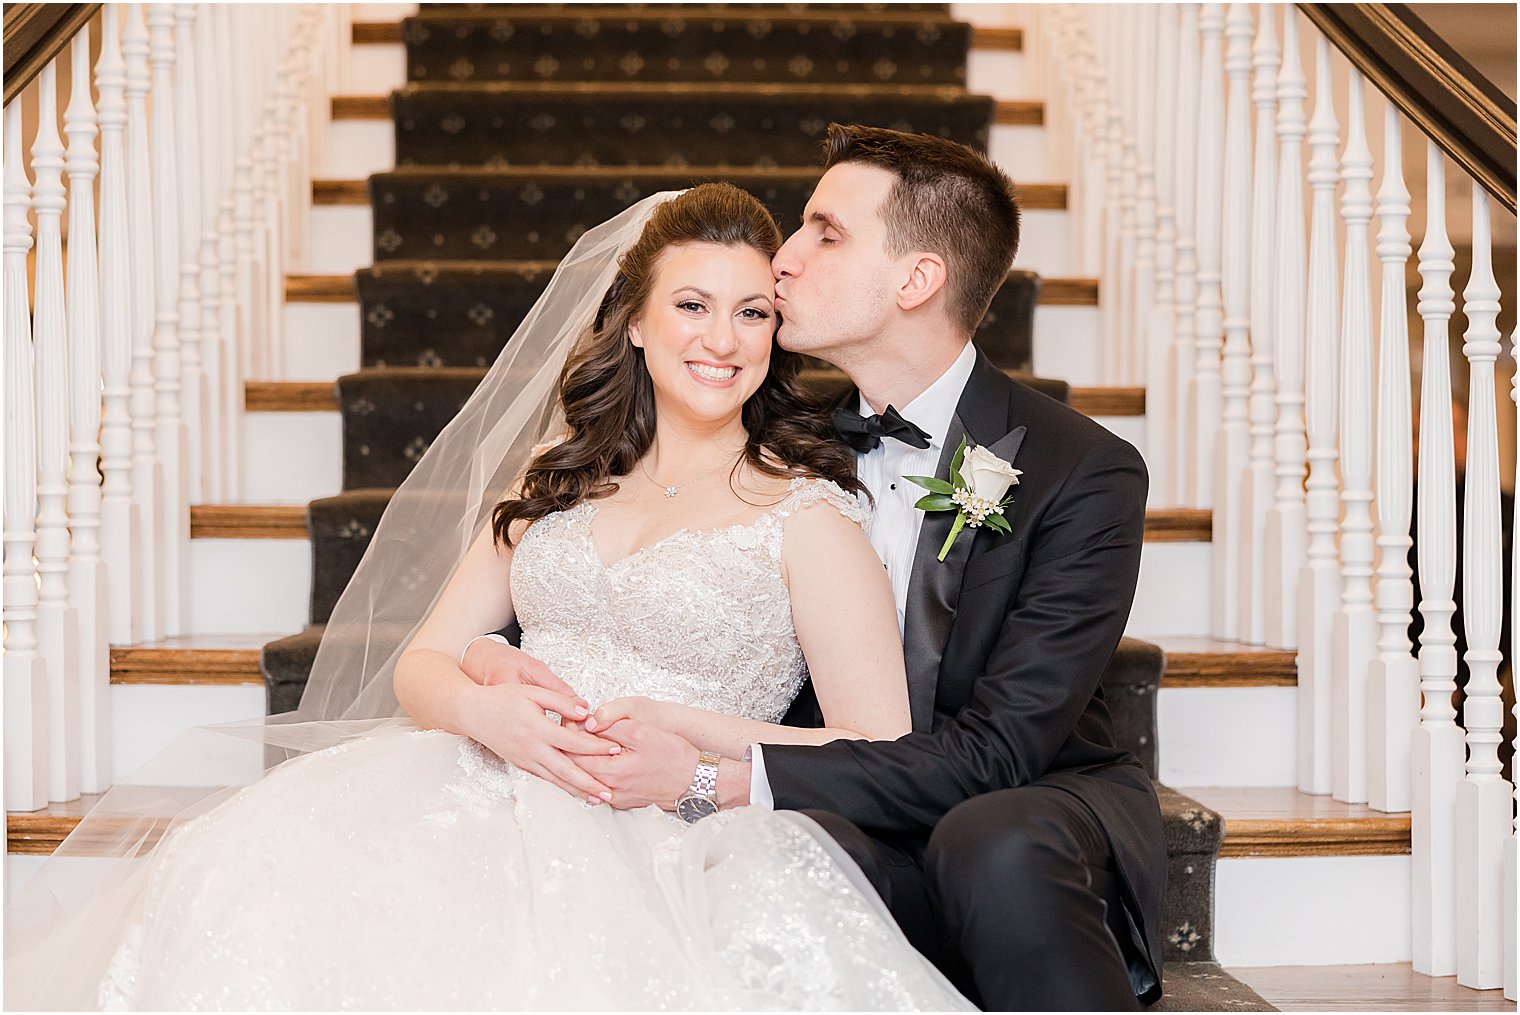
(1006,642)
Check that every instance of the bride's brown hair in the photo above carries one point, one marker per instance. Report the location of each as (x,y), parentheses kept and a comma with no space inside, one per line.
(608,398)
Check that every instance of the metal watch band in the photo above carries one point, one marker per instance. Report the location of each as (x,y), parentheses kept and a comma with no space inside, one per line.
(705,782)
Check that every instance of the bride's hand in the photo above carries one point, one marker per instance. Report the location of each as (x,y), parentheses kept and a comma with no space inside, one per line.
(489,663)
(509,720)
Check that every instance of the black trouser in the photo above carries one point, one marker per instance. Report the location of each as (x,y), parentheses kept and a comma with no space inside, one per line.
(1014,897)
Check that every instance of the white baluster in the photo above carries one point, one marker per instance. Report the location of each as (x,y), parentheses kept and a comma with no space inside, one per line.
(214,422)
(1111,290)
(188,148)
(1286,532)
(1204,396)
(235,340)
(1483,797)
(25,670)
(1355,628)
(1142,110)
(88,593)
(1232,440)
(1161,408)
(119,535)
(1393,684)
(1511,877)
(57,621)
(147,471)
(1257,482)
(1319,589)
(267,211)
(169,430)
(1125,167)
(1185,291)
(249,245)
(1437,750)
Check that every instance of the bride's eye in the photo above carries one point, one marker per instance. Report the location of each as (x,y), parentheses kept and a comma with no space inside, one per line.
(754,314)
(691,306)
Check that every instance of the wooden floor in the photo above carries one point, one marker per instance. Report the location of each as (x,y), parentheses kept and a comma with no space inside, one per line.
(1366,988)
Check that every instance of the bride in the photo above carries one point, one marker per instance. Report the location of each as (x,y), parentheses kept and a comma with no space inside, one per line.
(692,537)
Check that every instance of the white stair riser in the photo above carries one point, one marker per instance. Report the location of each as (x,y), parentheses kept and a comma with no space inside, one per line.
(322,344)
(1172,598)
(375,67)
(245,586)
(1319,911)
(1228,736)
(146,718)
(996,72)
(292,457)
(358,149)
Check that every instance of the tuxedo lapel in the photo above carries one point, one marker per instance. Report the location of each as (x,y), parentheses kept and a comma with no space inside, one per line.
(934,585)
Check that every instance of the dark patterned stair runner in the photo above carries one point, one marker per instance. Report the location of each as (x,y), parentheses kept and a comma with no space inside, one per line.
(499,172)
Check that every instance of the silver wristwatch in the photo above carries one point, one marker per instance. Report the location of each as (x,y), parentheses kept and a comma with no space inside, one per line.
(702,798)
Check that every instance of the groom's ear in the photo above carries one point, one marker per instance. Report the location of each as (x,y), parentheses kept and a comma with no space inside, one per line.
(926,276)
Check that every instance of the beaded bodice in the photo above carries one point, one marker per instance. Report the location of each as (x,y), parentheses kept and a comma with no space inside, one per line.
(702,617)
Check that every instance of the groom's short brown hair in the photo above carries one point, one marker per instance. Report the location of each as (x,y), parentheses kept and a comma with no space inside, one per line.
(949,200)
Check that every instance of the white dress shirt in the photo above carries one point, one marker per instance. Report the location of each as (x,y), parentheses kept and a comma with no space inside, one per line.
(896,522)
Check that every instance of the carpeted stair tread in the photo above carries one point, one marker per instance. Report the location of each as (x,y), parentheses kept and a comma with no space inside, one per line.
(645,124)
(1192,833)
(1205,986)
(702,44)
(537,214)
(443,313)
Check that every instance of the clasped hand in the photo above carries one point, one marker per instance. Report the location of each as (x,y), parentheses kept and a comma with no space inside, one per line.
(618,756)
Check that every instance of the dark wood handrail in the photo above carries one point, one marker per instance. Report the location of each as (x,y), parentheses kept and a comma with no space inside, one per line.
(35,34)
(1463,112)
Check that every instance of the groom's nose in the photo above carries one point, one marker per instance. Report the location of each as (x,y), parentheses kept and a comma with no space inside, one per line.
(784,264)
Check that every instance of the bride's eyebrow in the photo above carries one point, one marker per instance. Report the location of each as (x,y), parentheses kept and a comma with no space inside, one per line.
(693,289)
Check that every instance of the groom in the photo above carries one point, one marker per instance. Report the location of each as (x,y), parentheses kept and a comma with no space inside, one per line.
(1016,844)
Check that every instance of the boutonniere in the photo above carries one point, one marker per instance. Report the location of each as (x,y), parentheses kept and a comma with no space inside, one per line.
(977,491)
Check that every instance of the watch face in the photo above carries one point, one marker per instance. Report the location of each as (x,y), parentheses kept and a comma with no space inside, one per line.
(694,808)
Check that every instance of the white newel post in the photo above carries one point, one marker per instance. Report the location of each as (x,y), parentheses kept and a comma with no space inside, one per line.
(1393,683)
(1161,401)
(211,443)
(1257,481)
(1127,162)
(1232,442)
(88,593)
(1286,532)
(57,621)
(235,341)
(187,146)
(1185,291)
(169,428)
(1437,749)
(249,244)
(266,193)
(147,471)
(1355,628)
(25,670)
(1319,588)
(1142,110)
(1204,396)
(1108,131)
(119,537)
(1483,797)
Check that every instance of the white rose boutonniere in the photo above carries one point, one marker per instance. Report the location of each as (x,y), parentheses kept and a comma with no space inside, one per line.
(977,491)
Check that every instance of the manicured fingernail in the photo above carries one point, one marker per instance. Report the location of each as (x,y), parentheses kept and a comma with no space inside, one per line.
(614,749)
(607,797)
(593,801)
(580,711)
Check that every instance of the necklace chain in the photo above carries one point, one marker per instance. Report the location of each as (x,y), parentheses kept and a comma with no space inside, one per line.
(671,490)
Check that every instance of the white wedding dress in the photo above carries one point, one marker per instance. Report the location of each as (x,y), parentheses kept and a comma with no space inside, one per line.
(413,869)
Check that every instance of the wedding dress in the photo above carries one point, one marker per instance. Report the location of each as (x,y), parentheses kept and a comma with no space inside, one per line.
(413,869)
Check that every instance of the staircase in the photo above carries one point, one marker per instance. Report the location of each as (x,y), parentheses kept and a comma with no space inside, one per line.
(471,147)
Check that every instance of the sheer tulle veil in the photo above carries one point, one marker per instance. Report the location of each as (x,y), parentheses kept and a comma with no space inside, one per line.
(62,925)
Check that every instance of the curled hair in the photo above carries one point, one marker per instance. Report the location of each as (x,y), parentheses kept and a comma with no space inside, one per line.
(948,200)
(608,398)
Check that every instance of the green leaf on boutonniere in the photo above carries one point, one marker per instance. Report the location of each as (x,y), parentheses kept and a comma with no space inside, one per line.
(999,523)
(935,502)
(955,468)
(931,484)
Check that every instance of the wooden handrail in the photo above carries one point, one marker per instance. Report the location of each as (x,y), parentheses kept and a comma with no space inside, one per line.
(1464,113)
(34,34)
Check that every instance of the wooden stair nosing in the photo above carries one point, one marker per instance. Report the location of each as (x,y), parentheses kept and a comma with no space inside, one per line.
(1032,196)
(1054,292)
(288,521)
(368,33)
(1259,668)
(132,664)
(40,832)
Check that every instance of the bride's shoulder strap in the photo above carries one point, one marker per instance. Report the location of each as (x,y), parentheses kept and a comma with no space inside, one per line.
(805,491)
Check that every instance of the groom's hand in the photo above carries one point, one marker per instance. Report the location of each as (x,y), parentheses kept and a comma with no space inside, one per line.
(655,767)
(489,663)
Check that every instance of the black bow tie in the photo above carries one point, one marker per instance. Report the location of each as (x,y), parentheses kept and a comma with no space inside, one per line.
(864,433)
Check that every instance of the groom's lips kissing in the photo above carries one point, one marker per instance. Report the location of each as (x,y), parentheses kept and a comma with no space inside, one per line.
(714,375)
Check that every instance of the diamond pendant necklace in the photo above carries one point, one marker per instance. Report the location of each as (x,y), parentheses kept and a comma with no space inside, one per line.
(672,490)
